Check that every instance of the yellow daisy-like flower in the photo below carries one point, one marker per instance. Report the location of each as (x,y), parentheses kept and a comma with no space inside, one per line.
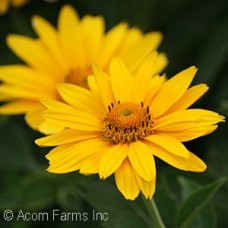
(65,54)
(125,120)
(4,4)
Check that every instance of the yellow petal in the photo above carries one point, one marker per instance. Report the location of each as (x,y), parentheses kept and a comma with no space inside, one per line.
(35,120)
(141,49)
(154,86)
(190,97)
(4,97)
(172,91)
(66,116)
(104,85)
(34,117)
(48,34)
(26,93)
(33,53)
(187,119)
(95,26)
(18,107)
(48,128)
(91,80)
(142,78)
(147,188)
(112,160)
(65,136)
(71,40)
(142,160)
(189,133)
(82,99)
(170,144)
(24,76)
(193,163)
(121,81)
(91,164)
(71,158)
(160,63)
(112,42)
(126,180)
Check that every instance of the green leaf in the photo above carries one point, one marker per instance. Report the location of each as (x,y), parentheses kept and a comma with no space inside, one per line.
(187,186)
(104,197)
(205,218)
(33,192)
(16,148)
(195,202)
(165,199)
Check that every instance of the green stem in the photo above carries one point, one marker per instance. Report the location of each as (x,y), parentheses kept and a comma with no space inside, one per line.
(154,213)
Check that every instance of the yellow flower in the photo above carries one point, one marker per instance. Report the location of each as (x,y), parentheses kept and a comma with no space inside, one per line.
(65,54)
(4,4)
(125,120)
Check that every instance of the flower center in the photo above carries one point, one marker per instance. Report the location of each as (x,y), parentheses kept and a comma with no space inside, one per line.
(78,76)
(127,122)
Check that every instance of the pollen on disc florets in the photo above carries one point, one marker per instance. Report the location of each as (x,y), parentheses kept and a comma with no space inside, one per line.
(127,122)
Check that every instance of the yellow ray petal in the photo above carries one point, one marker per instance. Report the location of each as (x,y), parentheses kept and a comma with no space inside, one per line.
(21,75)
(193,163)
(91,80)
(82,149)
(131,39)
(4,97)
(72,158)
(34,53)
(142,79)
(91,164)
(154,87)
(60,151)
(34,117)
(142,160)
(126,180)
(48,34)
(147,188)
(141,49)
(82,99)
(48,128)
(18,107)
(189,133)
(160,63)
(172,91)
(170,144)
(95,26)
(65,115)
(104,85)
(26,93)
(121,81)
(76,122)
(65,136)
(112,160)
(112,42)
(190,97)
(72,42)
(185,119)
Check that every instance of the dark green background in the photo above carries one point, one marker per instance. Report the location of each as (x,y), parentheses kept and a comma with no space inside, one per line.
(195,33)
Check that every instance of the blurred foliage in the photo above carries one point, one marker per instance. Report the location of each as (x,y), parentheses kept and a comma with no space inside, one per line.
(195,33)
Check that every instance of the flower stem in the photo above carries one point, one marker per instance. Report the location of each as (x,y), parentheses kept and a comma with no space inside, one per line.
(154,213)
